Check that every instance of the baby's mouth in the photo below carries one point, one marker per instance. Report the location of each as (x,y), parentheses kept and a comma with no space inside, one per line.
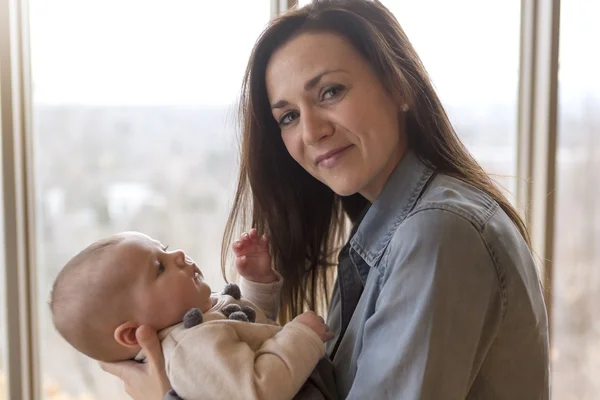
(197,271)
(198,277)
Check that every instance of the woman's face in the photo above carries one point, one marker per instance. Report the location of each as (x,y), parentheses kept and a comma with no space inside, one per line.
(337,120)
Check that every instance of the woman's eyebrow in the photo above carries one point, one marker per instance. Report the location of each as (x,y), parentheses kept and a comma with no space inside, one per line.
(312,82)
(309,85)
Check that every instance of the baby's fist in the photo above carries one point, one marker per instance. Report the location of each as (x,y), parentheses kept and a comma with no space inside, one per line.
(316,323)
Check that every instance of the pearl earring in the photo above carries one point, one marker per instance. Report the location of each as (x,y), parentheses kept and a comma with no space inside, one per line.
(404,107)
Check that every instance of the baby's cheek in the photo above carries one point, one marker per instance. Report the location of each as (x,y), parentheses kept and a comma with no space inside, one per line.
(167,308)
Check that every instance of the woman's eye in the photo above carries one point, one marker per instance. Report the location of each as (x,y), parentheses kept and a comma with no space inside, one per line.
(332,92)
(288,118)
(161,268)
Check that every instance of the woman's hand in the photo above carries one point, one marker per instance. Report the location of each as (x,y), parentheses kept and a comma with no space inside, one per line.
(147,381)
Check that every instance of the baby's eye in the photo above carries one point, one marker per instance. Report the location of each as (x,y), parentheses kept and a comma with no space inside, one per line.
(161,269)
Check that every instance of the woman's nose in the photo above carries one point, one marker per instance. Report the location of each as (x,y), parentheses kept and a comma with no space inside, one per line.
(315,127)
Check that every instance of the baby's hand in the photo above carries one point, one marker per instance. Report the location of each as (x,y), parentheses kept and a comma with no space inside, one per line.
(252,258)
(316,323)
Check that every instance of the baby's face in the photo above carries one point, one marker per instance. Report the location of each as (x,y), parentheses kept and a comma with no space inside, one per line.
(164,284)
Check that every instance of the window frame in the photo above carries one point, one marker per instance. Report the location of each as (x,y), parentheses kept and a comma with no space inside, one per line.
(279,6)
(536,168)
(18,203)
(537,131)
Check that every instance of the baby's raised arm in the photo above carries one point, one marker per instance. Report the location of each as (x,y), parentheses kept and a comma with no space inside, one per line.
(259,283)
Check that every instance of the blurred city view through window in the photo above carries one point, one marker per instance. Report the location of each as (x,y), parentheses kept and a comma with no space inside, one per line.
(576,317)
(135,129)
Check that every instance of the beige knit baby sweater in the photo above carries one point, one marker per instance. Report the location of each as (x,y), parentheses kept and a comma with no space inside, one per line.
(226,359)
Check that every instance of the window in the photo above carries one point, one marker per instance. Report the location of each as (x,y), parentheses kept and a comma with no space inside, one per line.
(3,355)
(473,61)
(576,327)
(472,58)
(134,130)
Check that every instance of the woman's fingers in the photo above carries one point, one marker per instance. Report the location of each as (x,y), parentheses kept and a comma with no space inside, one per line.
(121,370)
(148,339)
(143,381)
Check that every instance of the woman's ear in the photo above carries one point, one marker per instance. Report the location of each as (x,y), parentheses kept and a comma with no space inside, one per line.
(404,103)
(125,334)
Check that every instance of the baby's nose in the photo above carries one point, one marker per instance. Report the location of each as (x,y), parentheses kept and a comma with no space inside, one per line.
(180,258)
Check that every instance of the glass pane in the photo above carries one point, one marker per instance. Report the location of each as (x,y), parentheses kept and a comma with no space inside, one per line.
(576,327)
(470,49)
(134,130)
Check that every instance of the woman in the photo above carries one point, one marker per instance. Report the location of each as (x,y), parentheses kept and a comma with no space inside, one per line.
(437,294)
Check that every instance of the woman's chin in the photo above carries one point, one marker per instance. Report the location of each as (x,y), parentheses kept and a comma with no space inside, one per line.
(344,190)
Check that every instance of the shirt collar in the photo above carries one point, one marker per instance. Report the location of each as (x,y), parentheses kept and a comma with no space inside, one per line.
(396,200)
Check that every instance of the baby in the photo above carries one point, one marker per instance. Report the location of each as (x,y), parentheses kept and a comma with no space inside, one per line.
(215,345)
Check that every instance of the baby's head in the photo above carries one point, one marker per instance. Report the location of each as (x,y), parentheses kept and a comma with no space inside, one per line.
(104,293)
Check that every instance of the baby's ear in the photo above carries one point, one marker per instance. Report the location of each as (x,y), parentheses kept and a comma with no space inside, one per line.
(125,334)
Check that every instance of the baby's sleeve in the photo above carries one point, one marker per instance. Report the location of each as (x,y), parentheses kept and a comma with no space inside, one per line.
(264,295)
(235,360)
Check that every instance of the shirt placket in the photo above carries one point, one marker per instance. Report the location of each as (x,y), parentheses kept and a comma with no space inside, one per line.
(350,286)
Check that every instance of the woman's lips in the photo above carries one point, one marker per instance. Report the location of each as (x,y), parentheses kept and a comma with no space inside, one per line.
(330,158)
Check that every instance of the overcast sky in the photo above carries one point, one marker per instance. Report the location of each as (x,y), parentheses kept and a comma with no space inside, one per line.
(193,52)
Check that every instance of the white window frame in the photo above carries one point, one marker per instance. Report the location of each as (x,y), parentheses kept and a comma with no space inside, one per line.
(537,130)
(18,204)
(536,159)
(279,6)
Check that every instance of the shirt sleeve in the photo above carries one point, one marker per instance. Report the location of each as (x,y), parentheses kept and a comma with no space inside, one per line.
(264,295)
(439,308)
(232,360)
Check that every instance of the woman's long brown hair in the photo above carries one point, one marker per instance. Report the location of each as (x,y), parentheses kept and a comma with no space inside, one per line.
(305,220)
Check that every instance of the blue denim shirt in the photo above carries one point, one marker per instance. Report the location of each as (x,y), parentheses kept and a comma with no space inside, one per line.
(437,297)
